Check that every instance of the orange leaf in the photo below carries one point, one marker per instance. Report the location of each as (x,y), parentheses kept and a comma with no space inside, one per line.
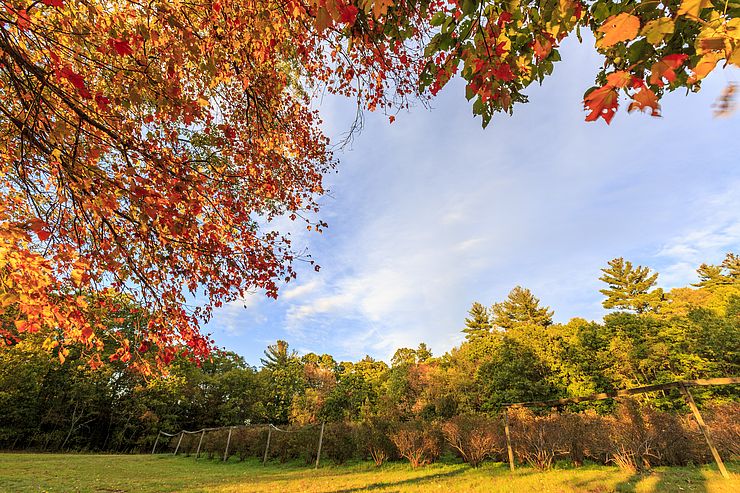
(645,99)
(602,102)
(618,28)
(618,79)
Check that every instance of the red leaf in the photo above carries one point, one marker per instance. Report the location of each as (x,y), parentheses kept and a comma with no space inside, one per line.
(542,47)
(665,69)
(503,72)
(23,22)
(120,46)
(54,3)
(40,228)
(87,332)
(349,14)
(76,80)
(504,18)
(102,102)
(602,102)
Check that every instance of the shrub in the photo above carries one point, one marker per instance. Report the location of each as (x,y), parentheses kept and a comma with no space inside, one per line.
(474,437)
(418,442)
(339,443)
(373,441)
(632,437)
(249,441)
(214,443)
(298,442)
(538,439)
(678,441)
(724,425)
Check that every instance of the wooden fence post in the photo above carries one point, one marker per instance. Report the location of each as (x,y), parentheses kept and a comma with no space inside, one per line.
(228,441)
(202,434)
(267,446)
(156,442)
(508,438)
(321,438)
(703,427)
(178,443)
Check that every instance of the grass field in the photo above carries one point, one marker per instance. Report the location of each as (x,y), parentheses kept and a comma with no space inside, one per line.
(146,473)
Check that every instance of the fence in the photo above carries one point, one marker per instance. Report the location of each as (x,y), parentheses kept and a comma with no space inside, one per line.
(201,434)
(653,437)
(683,387)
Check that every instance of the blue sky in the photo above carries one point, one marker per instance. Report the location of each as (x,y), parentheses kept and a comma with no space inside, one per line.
(431,213)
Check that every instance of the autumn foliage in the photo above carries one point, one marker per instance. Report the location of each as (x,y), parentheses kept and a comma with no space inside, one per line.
(145,148)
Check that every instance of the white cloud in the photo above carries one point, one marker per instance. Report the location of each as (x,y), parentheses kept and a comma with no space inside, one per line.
(432,213)
(715,233)
(301,290)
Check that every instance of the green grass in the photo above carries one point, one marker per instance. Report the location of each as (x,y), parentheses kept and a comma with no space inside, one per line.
(164,473)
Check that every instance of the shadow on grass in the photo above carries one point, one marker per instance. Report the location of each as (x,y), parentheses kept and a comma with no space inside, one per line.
(660,481)
(392,484)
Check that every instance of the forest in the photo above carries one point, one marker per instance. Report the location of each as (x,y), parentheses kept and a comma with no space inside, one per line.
(513,352)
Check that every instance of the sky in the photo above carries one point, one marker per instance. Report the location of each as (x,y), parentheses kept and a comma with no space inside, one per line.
(431,213)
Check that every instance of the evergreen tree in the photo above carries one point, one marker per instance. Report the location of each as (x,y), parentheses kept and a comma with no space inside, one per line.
(521,307)
(277,355)
(478,324)
(629,287)
(423,353)
(711,276)
(732,265)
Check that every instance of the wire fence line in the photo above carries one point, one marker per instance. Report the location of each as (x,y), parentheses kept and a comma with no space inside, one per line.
(265,426)
(516,434)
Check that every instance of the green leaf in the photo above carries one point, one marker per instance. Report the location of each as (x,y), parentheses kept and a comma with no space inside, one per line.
(438,19)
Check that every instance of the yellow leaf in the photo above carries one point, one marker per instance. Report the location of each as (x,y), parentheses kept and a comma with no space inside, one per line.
(693,8)
(656,30)
(7,299)
(735,57)
(618,28)
(705,66)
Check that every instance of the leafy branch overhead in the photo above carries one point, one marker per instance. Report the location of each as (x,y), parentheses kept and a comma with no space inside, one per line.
(649,47)
(145,148)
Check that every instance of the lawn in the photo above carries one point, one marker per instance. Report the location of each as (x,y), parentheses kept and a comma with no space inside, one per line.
(164,473)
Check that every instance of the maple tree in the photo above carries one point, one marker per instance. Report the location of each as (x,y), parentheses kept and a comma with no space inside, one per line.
(146,147)
(649,47)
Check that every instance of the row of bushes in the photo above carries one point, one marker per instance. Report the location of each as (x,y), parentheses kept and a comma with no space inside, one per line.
(633,437)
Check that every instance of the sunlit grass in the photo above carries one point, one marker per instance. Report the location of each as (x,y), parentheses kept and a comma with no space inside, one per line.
(164,473)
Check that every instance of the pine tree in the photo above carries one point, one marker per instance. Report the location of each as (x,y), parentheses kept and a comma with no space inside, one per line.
(520,307)
(277,355)
(629,287)
(478,324)
(732,265)
(725,274)
(423,353)
(711,276)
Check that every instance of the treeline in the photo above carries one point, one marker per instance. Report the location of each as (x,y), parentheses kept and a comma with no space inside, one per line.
(513,352)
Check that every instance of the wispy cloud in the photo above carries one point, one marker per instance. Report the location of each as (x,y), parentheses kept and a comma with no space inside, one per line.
(432,213)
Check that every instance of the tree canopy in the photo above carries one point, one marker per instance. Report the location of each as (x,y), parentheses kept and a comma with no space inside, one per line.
(146,147)
(51,406)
